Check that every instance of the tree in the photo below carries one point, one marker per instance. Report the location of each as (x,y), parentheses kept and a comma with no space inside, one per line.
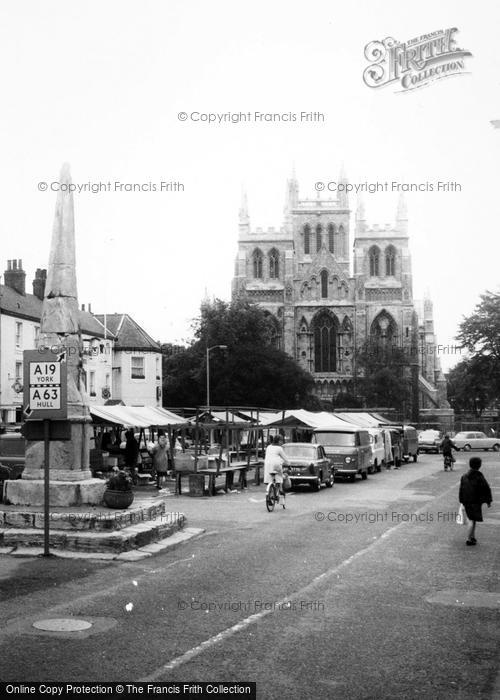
(386,380)
(480,332)
(251,371)
(473,384)
(345,400)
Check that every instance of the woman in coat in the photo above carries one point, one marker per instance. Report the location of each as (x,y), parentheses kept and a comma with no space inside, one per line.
(159,453)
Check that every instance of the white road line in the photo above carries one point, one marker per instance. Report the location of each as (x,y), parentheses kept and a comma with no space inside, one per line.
(256,617)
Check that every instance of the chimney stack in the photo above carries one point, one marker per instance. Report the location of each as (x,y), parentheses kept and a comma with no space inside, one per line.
(15,277)
(39,283)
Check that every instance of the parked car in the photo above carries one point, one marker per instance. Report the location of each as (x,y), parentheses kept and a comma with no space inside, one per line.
(475,441)
(348,450)
(377,445)
(308,464)
(430,441)
(12,446)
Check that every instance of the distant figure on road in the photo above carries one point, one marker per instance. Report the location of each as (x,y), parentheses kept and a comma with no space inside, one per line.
(447,447)
(160,459)
(474,491)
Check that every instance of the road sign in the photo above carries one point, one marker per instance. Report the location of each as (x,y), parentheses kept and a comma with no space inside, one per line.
(45,385)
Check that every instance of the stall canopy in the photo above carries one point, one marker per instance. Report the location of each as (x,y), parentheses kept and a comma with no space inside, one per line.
(301,418)
(136,416)
(265,416)
(220,417)
(365,419)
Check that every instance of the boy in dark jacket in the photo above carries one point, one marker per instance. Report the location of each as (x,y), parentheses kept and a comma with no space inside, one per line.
(474,491)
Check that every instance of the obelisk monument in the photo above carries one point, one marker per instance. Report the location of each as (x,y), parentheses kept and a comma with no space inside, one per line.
(71,481)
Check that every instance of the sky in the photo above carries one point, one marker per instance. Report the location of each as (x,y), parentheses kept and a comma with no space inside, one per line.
(101,85)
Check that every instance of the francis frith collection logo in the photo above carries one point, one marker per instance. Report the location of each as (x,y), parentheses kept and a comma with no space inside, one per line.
(414,63)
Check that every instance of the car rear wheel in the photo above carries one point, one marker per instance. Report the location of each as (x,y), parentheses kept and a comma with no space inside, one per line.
(329,481)
(496,448)
(466,448)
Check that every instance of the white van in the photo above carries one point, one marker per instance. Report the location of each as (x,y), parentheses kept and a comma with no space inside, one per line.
(388,458)
(377,444)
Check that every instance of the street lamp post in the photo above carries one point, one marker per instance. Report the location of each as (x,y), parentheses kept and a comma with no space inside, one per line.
(222,347)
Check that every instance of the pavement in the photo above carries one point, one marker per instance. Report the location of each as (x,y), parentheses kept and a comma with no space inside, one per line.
(366,590)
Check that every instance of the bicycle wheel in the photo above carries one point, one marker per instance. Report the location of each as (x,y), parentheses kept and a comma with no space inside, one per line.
(271,498)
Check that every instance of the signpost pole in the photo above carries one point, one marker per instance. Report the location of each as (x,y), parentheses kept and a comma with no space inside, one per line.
(46,495)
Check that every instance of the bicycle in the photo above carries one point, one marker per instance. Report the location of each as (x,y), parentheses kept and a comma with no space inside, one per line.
(273,493)
(448,462)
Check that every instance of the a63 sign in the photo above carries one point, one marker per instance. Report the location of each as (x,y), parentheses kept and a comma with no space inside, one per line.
(45,390)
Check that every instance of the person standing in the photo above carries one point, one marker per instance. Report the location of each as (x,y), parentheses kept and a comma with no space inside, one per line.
(131,454)
(273,462)
(160,454)
(474,491)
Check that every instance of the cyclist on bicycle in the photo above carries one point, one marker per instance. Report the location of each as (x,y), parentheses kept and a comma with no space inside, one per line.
(273,462)
(447,446)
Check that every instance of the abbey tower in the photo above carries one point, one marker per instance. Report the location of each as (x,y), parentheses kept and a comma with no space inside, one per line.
(324,305)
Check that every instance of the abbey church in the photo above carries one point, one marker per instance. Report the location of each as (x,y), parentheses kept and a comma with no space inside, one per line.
(325,306)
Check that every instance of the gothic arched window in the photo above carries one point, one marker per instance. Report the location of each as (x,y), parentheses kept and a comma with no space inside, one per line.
(390,261)
(374,257)
(324,284)
(341,241)
(325,343)
(331,238)
(274,264)
(257,264)
(384,331)
(307,239)
(319,238)
(274,329)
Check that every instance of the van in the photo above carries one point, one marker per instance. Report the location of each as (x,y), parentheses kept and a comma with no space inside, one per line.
(396,447)
(377,445)
(410,443)
(348,450)
(389,458)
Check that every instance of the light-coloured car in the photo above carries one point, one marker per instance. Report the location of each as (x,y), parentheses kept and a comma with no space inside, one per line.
(430,441)
(469,440)
(308,464)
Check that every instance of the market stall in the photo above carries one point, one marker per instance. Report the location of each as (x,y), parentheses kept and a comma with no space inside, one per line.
(110,422)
